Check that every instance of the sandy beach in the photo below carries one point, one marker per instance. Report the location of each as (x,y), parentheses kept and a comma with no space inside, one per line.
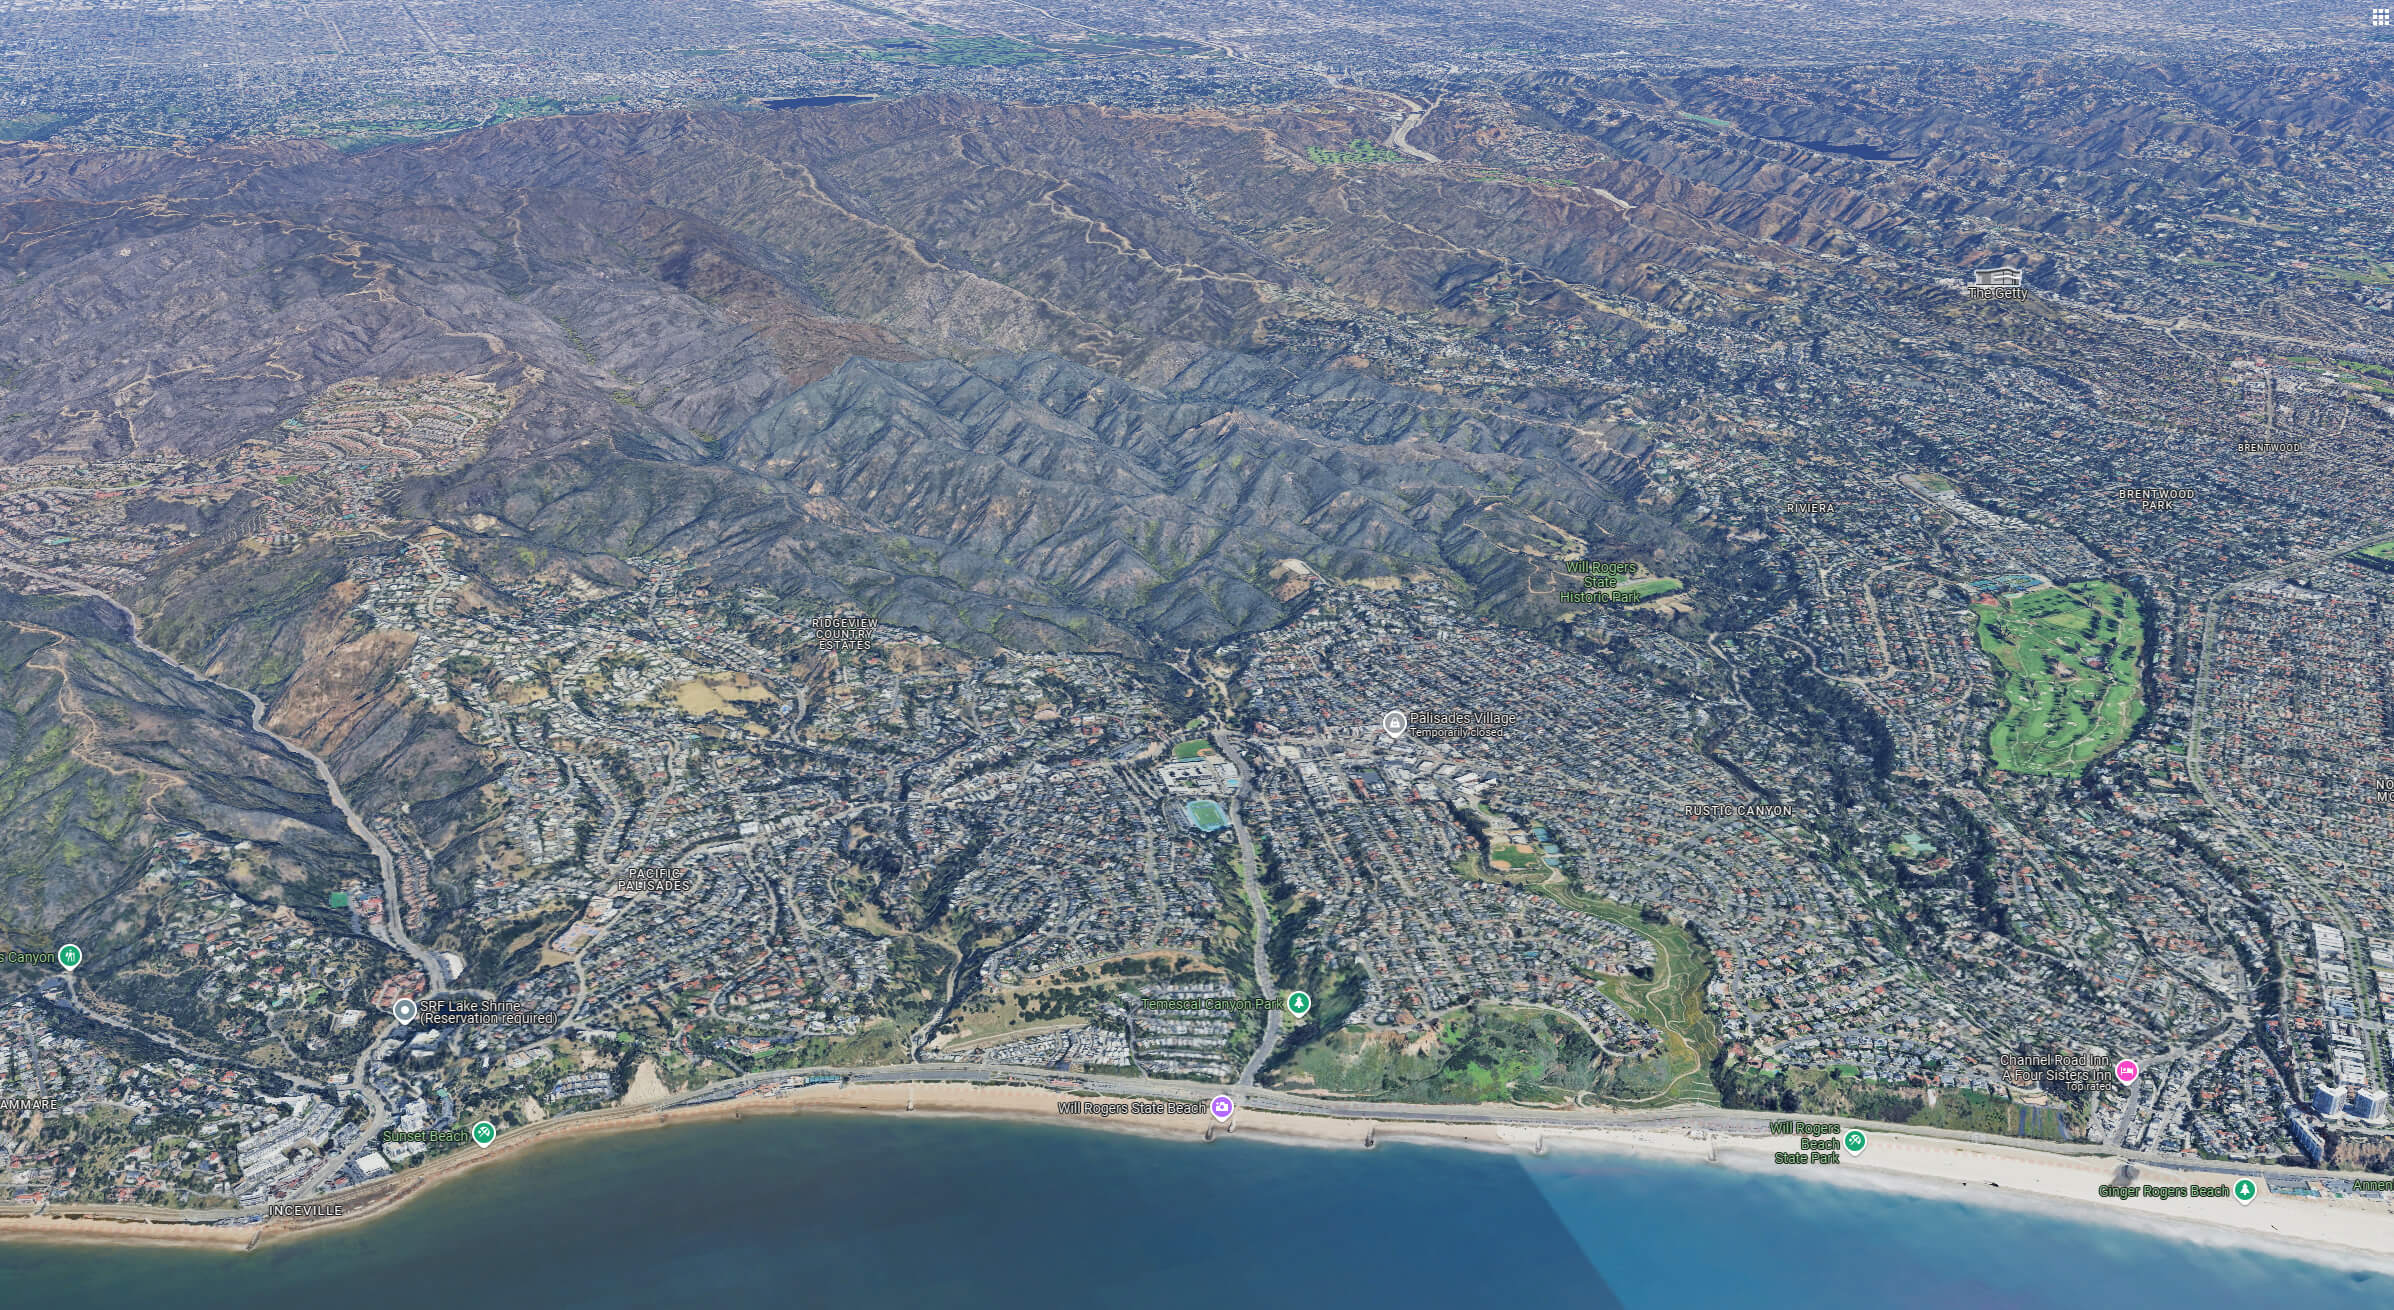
(2344,1232)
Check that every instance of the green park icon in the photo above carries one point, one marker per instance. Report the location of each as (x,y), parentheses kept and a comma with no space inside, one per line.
(2246,1190)
(1854,1140)
(485,1133)
(69,956)
(1299,1004)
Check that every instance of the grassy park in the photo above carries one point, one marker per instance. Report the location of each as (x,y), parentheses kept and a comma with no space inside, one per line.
(1649,588)
(2069,662)
(1357,152)
(1672,1000)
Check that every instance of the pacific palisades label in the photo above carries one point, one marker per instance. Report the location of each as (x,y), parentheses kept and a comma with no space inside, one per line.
(843,631)
(1605,574)
(655,879)
(1820,1142)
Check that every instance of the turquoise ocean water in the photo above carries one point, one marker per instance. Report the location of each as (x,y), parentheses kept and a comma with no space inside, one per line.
(888,1212)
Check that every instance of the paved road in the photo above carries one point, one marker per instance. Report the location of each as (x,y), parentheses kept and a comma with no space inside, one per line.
(2205,682)
(2185,323)
(66,998)
(1265,1045)
(378,1117)
(1396,135)
(392,931)
(1749,1123)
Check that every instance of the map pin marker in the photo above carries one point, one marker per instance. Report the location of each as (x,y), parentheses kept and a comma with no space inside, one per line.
(485,1133)
(69,956)
(1393,723)
(1222,1107)
(2246,1191)
(404,1009)
(2125,1071)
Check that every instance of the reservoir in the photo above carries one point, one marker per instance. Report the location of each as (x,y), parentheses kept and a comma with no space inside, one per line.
(860,1211)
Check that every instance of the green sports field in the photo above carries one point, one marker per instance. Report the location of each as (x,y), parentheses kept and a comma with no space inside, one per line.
(2069,661)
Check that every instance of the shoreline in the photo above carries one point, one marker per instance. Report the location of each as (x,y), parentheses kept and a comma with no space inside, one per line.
(2344,1233)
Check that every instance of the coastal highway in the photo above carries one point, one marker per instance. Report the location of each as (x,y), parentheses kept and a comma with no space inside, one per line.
(1691,1118)
(392,931)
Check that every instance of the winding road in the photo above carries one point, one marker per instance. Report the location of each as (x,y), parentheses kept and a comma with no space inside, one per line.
(1414,113)
(391,932)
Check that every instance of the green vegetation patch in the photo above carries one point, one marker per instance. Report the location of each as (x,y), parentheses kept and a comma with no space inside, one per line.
(948,47)
(1356,152)
(1511,857)
(2069,662)
(1073,997)
(1671,999)
(1527,1053)
(1649,588)
(1839,1093)
(1484,1052)
(32,127)
(2376,377)
(1192,750)
(2376,275)
(942,52)
(1911,846)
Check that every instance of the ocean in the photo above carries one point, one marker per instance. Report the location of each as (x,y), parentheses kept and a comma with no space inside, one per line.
(869,1212)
